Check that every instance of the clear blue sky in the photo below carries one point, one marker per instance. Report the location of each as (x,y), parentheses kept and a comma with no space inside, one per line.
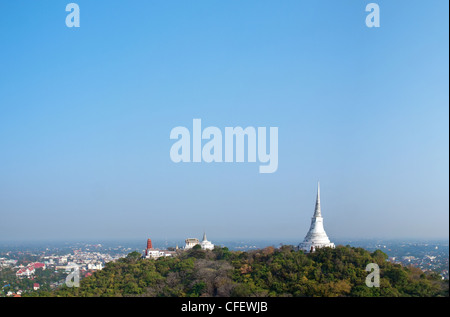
(85,118)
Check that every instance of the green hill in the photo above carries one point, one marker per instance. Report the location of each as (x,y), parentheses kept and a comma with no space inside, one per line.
(267,272)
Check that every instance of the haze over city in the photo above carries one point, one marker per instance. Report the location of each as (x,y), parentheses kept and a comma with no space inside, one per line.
(86,114)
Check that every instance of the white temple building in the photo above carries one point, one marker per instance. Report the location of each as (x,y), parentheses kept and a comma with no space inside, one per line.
(190,243)
(205,244)
(316,236)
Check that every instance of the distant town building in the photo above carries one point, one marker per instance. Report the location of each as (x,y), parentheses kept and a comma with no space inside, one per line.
(94,266)
(38,265)
(29,270)
(316,236)
(25,272)
(7,262)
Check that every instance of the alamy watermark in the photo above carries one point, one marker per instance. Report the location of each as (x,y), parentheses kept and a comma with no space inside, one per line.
(373,279)
(73,278)
(212,151)
(373,18)
(73,18)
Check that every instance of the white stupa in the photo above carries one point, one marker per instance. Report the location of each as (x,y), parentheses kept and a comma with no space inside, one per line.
(316,237)
(205,244)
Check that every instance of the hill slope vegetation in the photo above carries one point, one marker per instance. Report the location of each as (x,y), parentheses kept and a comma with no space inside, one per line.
(284,271)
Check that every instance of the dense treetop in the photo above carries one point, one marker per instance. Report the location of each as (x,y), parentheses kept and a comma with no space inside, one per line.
(283,271)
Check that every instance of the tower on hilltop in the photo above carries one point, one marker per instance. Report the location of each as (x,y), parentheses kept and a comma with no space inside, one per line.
(316,236)
(149,246)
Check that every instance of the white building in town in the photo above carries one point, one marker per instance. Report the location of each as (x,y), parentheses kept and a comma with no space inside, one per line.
(94,266)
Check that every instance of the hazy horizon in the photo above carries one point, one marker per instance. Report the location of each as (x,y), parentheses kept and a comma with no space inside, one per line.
(140,243)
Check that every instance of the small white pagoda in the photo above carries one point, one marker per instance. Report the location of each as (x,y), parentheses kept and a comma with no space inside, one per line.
(205,244)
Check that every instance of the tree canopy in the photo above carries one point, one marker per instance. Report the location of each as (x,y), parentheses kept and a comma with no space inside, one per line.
(283,271)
